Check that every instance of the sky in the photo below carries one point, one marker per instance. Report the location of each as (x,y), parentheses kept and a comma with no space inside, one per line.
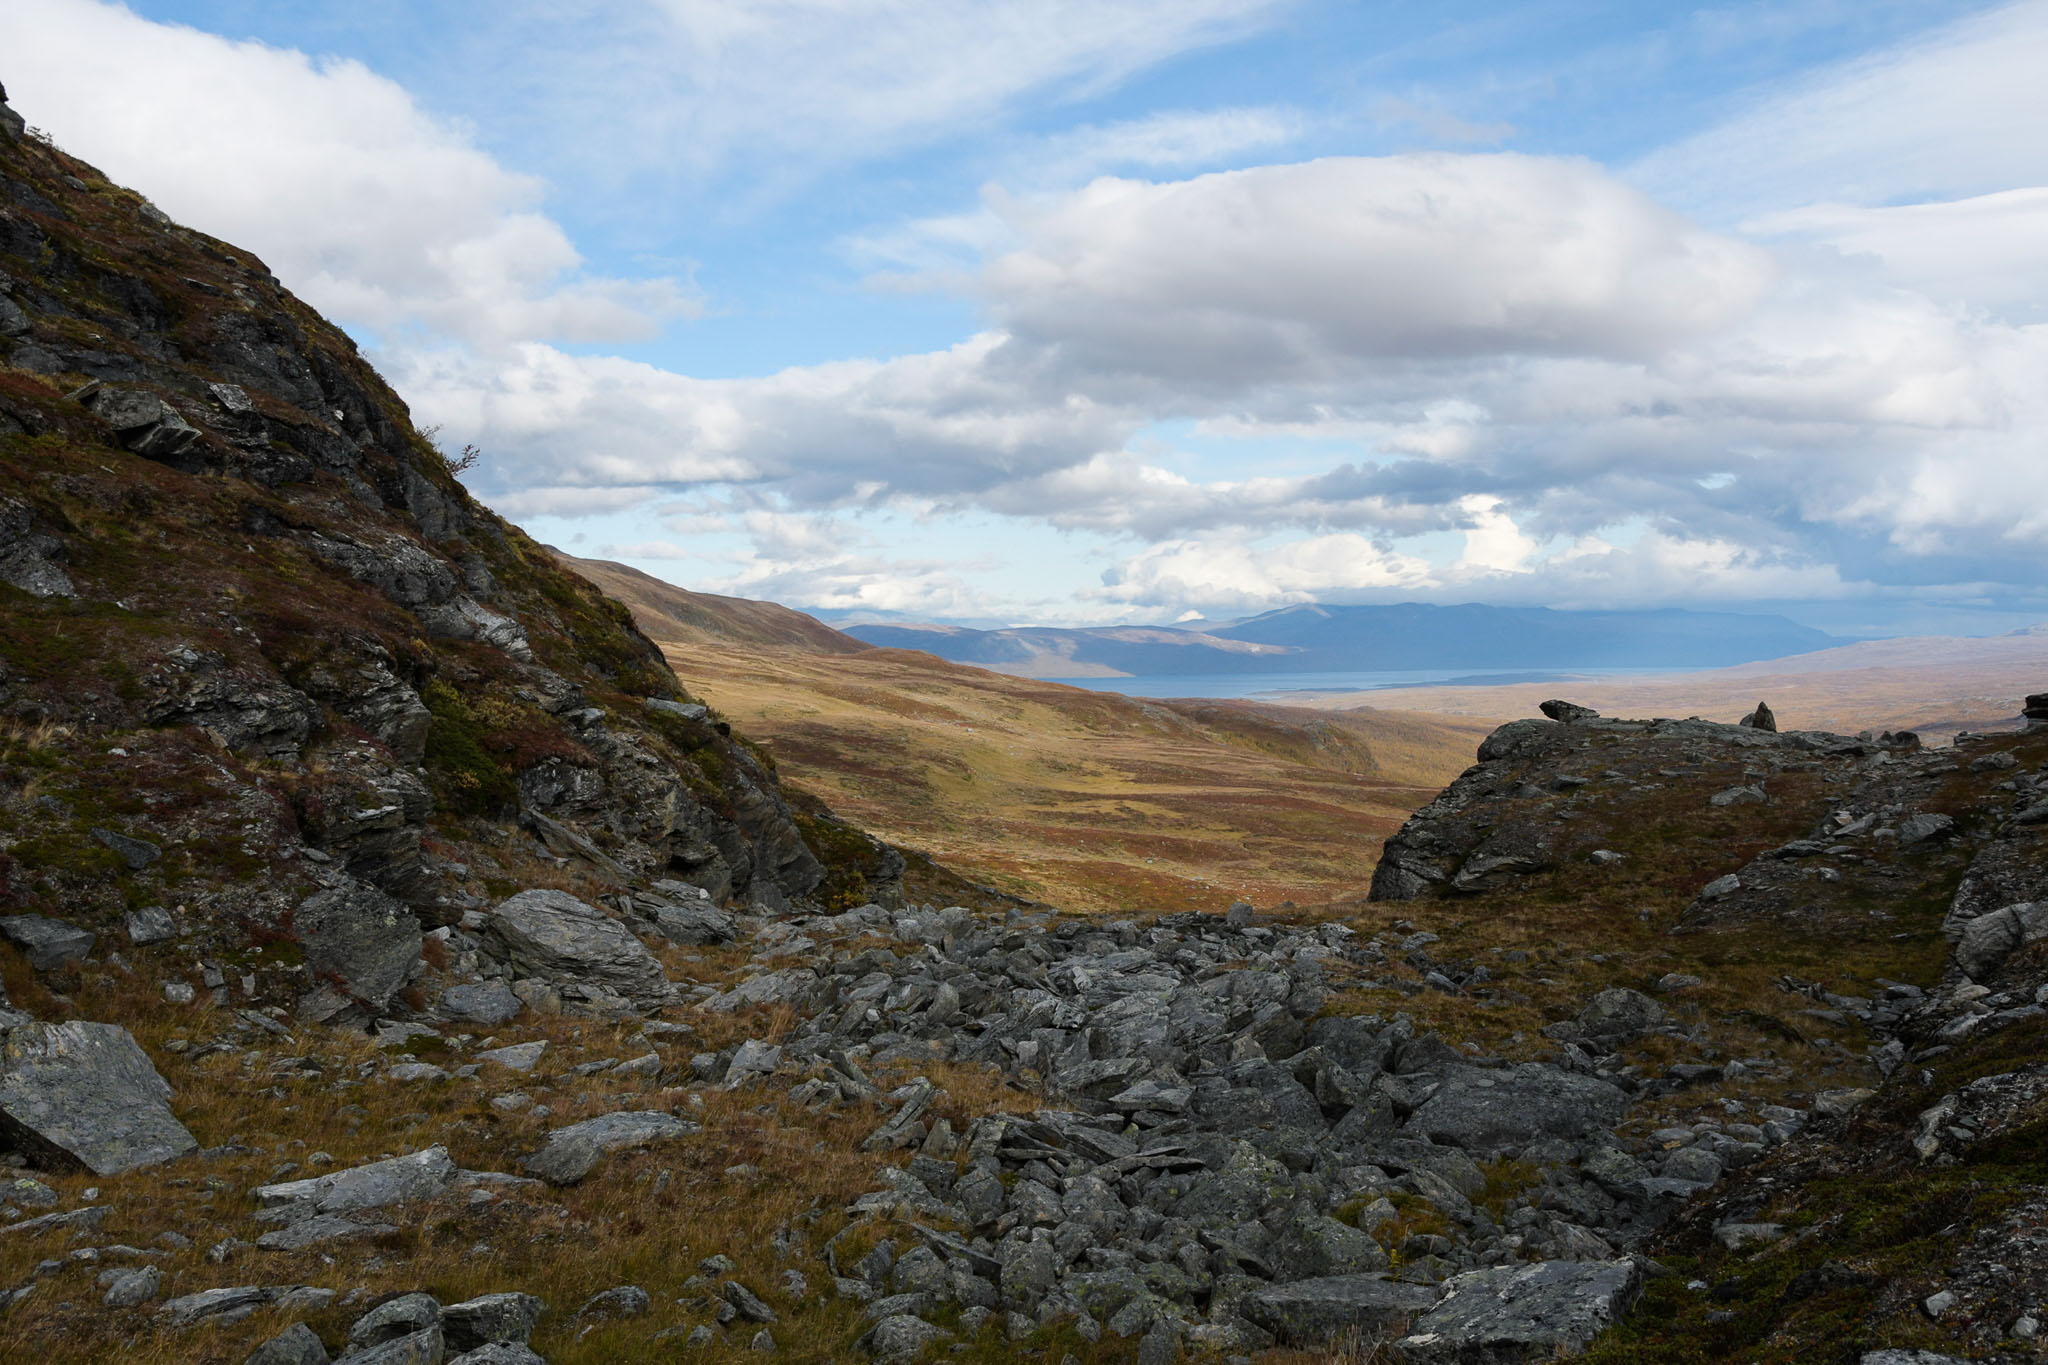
(1104,311)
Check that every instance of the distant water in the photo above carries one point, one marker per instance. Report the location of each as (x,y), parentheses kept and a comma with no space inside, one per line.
(1280,686)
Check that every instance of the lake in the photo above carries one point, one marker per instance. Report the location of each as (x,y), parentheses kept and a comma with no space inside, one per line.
(1279,686)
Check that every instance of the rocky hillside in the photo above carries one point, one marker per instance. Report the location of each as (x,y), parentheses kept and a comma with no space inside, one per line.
(400,967)
(1868,912)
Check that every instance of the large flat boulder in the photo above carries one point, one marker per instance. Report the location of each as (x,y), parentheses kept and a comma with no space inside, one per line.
(1485,1110)
(1510,1314)
(86,1094)
(1316,1312)
(554,936)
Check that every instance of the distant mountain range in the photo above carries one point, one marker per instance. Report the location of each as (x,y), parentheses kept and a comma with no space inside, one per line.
(1341,639)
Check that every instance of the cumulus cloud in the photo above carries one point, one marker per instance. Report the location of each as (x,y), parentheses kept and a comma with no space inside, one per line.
(365,205)
(1524,351)
(1282,273)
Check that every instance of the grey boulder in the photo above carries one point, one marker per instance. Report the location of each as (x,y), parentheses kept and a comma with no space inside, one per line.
(554,936)
(1989,939)
(573,1152)
(424,1347)
(1619,1015)
(145,423)
(86,1093)
(408,1315)
(46,943)
(485,1002)
(360,937)
(490,1318)
(1317,1312)
(297,1344)
(150,924)
(418,1175)
(499,1353)
(232,1303)
(1509,1314)
(1485,1110)
(901,1337)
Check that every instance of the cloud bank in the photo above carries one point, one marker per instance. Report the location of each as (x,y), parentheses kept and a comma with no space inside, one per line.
(1796,355)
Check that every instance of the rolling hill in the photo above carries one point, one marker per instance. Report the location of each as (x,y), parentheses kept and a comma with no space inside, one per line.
(1088,799)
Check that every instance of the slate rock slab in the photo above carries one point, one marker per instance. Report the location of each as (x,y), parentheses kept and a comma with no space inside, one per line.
(503,1318)
(150,924)
(297,1344)
(499,1353)
(553,935)
(424,1347)
(46,943)
(417,1175)
(520,1057)
(86,1093)
(573,1152)
(692,925)
(362,938)
(1509,1314)
(320,1230)
(1319,1311)
(234,1302)
(1485,1110)
(484,1002)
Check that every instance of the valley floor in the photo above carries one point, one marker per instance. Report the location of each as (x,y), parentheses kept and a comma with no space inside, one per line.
(1085,800)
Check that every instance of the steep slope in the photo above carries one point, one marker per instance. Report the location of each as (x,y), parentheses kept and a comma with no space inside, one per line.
(673,615)
(1083,799)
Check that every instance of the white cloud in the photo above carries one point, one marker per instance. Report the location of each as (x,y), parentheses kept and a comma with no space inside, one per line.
(362,203)
(1236,574)
(802,82)
(1953,113)
(1583,355)
(948,424)
(1165,141)
(1990,250)
(1296,272)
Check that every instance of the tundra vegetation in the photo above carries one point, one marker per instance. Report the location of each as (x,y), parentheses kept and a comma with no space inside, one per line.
(402,963)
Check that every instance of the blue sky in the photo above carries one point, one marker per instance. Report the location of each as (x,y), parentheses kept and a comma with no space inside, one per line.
(1086,312)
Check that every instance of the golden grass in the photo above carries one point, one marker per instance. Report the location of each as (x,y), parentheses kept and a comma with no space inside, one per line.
(1088,800)
(643,1218)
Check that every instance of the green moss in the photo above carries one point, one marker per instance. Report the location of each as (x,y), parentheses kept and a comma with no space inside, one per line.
(849,858)
(66,850)
(466,779)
